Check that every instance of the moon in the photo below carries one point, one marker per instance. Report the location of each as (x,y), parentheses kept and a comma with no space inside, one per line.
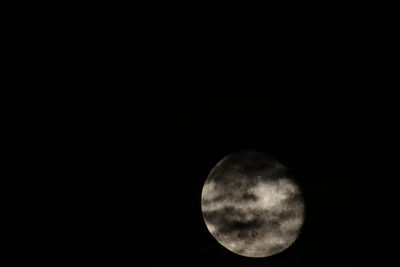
(251,205)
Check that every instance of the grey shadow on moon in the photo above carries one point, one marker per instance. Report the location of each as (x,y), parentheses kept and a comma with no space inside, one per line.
(251,205)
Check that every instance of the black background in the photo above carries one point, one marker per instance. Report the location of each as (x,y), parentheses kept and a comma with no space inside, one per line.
(134,164)
(317,135)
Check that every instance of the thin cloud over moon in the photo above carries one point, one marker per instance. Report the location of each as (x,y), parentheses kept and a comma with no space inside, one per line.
(251,205)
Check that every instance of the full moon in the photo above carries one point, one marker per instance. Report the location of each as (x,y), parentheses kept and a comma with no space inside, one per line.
(251,205)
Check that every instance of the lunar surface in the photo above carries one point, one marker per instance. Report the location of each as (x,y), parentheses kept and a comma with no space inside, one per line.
(251,205)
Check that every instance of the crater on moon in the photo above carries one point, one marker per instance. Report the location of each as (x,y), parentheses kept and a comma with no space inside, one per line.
(251,205)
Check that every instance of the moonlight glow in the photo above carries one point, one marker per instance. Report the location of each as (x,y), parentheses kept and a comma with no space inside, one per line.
(251,205)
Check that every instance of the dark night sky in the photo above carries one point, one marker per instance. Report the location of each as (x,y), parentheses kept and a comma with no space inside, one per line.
(147,112)
(315,135)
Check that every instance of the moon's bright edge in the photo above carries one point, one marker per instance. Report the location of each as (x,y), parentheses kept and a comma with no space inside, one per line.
(251,205)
